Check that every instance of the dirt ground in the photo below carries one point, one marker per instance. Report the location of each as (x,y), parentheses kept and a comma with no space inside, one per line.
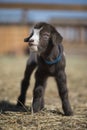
(51,118)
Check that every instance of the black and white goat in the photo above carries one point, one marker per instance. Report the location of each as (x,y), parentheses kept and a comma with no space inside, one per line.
(46,53)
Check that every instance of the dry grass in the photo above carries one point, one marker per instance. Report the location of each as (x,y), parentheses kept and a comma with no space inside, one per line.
(51,118)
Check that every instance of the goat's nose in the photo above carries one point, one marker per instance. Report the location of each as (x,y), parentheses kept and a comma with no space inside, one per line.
(31,40)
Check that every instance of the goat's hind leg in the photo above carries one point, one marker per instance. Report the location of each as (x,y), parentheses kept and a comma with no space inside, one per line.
(63,92)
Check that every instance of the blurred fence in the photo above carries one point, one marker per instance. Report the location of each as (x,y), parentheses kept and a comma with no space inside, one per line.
(74,31)
(12,35)
(12,38)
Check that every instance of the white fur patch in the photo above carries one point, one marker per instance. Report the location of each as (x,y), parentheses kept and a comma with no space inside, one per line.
(35,37)
(64,53)
(32,57)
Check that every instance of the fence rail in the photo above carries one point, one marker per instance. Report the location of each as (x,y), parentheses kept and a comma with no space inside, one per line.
(40,6)
(12,37)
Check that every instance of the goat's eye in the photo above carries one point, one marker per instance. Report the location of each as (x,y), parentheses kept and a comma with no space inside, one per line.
(46,35)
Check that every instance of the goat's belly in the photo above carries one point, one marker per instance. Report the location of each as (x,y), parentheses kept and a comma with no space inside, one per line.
(50,71)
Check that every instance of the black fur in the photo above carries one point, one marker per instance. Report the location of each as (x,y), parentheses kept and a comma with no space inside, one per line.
(48,47)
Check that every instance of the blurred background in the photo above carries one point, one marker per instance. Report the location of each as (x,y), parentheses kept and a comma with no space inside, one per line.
(18,16)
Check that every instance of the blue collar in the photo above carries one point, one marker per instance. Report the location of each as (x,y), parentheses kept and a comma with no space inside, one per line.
(55,60)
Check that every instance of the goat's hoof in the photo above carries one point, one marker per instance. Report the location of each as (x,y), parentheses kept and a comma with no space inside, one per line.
(69,113)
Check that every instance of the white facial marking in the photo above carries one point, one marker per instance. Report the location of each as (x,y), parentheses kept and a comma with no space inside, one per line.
(35,37)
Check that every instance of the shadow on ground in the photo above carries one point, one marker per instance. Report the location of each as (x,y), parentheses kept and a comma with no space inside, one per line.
(7,106)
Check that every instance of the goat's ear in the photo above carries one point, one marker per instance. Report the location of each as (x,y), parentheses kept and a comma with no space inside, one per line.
(26,39)
(56,38)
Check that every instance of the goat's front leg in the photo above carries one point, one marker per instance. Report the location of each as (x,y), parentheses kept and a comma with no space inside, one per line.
(63,92)
(38,92)
(31,65)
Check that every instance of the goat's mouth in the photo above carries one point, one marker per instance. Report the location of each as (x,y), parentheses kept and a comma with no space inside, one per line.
(33,47)
(31,44)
